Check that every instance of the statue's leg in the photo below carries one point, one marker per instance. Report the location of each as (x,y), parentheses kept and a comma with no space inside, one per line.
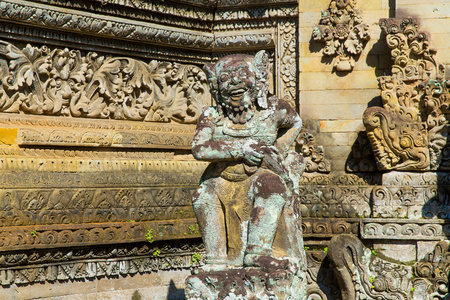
(270,193)
(210,218)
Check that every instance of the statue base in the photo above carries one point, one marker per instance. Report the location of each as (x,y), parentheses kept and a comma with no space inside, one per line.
(245,283)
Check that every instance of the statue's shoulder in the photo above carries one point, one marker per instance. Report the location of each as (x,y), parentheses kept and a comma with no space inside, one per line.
(210,112)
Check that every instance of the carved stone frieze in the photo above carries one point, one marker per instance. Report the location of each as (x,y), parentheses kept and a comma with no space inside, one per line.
(416,195)
(153,11)
(98,138)
(116,46)
(328,227)
(79,21)
(245,283)
(342,29)
(409,132)
(238,40)
(97,262)
(335,201)
(33,206)
(74,235)
(322,283)
(339,179)
(401,229)
(65,82)
(59,172)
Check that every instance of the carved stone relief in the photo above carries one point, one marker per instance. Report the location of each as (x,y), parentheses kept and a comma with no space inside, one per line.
(342,29)
(66,82)
(314,155)
(97,262)
(409,132)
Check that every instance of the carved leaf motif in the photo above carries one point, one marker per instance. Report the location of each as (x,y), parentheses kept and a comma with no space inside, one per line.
(64,82)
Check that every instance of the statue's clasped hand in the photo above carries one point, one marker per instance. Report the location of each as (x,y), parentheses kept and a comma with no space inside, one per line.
(252,152)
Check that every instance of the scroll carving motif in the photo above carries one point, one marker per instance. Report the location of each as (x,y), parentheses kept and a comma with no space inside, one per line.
(432,273)
(410,131)
(342,29)
(66,82)
(314,156)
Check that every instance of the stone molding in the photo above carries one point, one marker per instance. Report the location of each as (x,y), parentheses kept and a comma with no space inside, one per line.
(328,227)
(400,229)
(98,262)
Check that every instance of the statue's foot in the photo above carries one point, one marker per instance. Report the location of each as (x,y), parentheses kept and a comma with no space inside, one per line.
(265,262)
(210,268)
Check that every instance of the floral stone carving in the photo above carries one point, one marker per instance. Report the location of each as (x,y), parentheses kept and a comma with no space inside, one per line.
(247,203)
(410,131)
(65,82)
(343,31)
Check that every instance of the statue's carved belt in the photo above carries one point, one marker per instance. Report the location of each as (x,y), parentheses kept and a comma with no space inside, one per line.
(233,176)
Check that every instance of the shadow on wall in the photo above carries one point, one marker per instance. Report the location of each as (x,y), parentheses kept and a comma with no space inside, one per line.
(174,293)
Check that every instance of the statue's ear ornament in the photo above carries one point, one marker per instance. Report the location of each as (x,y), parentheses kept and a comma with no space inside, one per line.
(210,70)
(262,66)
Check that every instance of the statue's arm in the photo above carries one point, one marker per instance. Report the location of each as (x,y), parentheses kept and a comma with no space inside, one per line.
(289,127)
(204,147)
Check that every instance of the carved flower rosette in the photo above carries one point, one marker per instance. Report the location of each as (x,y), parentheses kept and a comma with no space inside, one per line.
(342,30)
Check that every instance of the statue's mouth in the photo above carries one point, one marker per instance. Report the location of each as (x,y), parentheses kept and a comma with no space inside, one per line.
(237,94)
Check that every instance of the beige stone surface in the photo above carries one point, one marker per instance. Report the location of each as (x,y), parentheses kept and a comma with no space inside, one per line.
(155,286)
(400,251)
(324,81)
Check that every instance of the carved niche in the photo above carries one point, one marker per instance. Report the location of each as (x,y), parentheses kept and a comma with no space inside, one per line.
(66,82)
(342,29)
(410,131)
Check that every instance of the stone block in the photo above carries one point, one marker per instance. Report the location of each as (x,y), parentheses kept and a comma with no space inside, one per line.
(8,136)
(329,81)
(424,248)
(332,139)
(341,125)
(337,152)
(330,97)
(308,19)
(437,9)
(307,6)
(329,112)
(401,251)
(337,164)
(307,49)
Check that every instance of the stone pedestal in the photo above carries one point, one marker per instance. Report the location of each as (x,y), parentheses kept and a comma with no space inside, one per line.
(245,283)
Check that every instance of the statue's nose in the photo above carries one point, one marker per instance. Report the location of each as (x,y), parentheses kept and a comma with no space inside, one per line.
(235,79)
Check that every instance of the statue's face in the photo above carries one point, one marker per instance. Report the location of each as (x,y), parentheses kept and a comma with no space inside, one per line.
(237,84)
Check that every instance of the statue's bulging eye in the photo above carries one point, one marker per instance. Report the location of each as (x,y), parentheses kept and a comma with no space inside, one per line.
(224,77)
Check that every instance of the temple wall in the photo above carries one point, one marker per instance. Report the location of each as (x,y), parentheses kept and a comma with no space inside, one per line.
(98,105)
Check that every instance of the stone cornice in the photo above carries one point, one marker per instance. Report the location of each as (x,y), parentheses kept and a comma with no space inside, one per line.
(79,21)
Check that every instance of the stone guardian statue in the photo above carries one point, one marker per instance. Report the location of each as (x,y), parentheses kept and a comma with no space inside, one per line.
(247,202)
